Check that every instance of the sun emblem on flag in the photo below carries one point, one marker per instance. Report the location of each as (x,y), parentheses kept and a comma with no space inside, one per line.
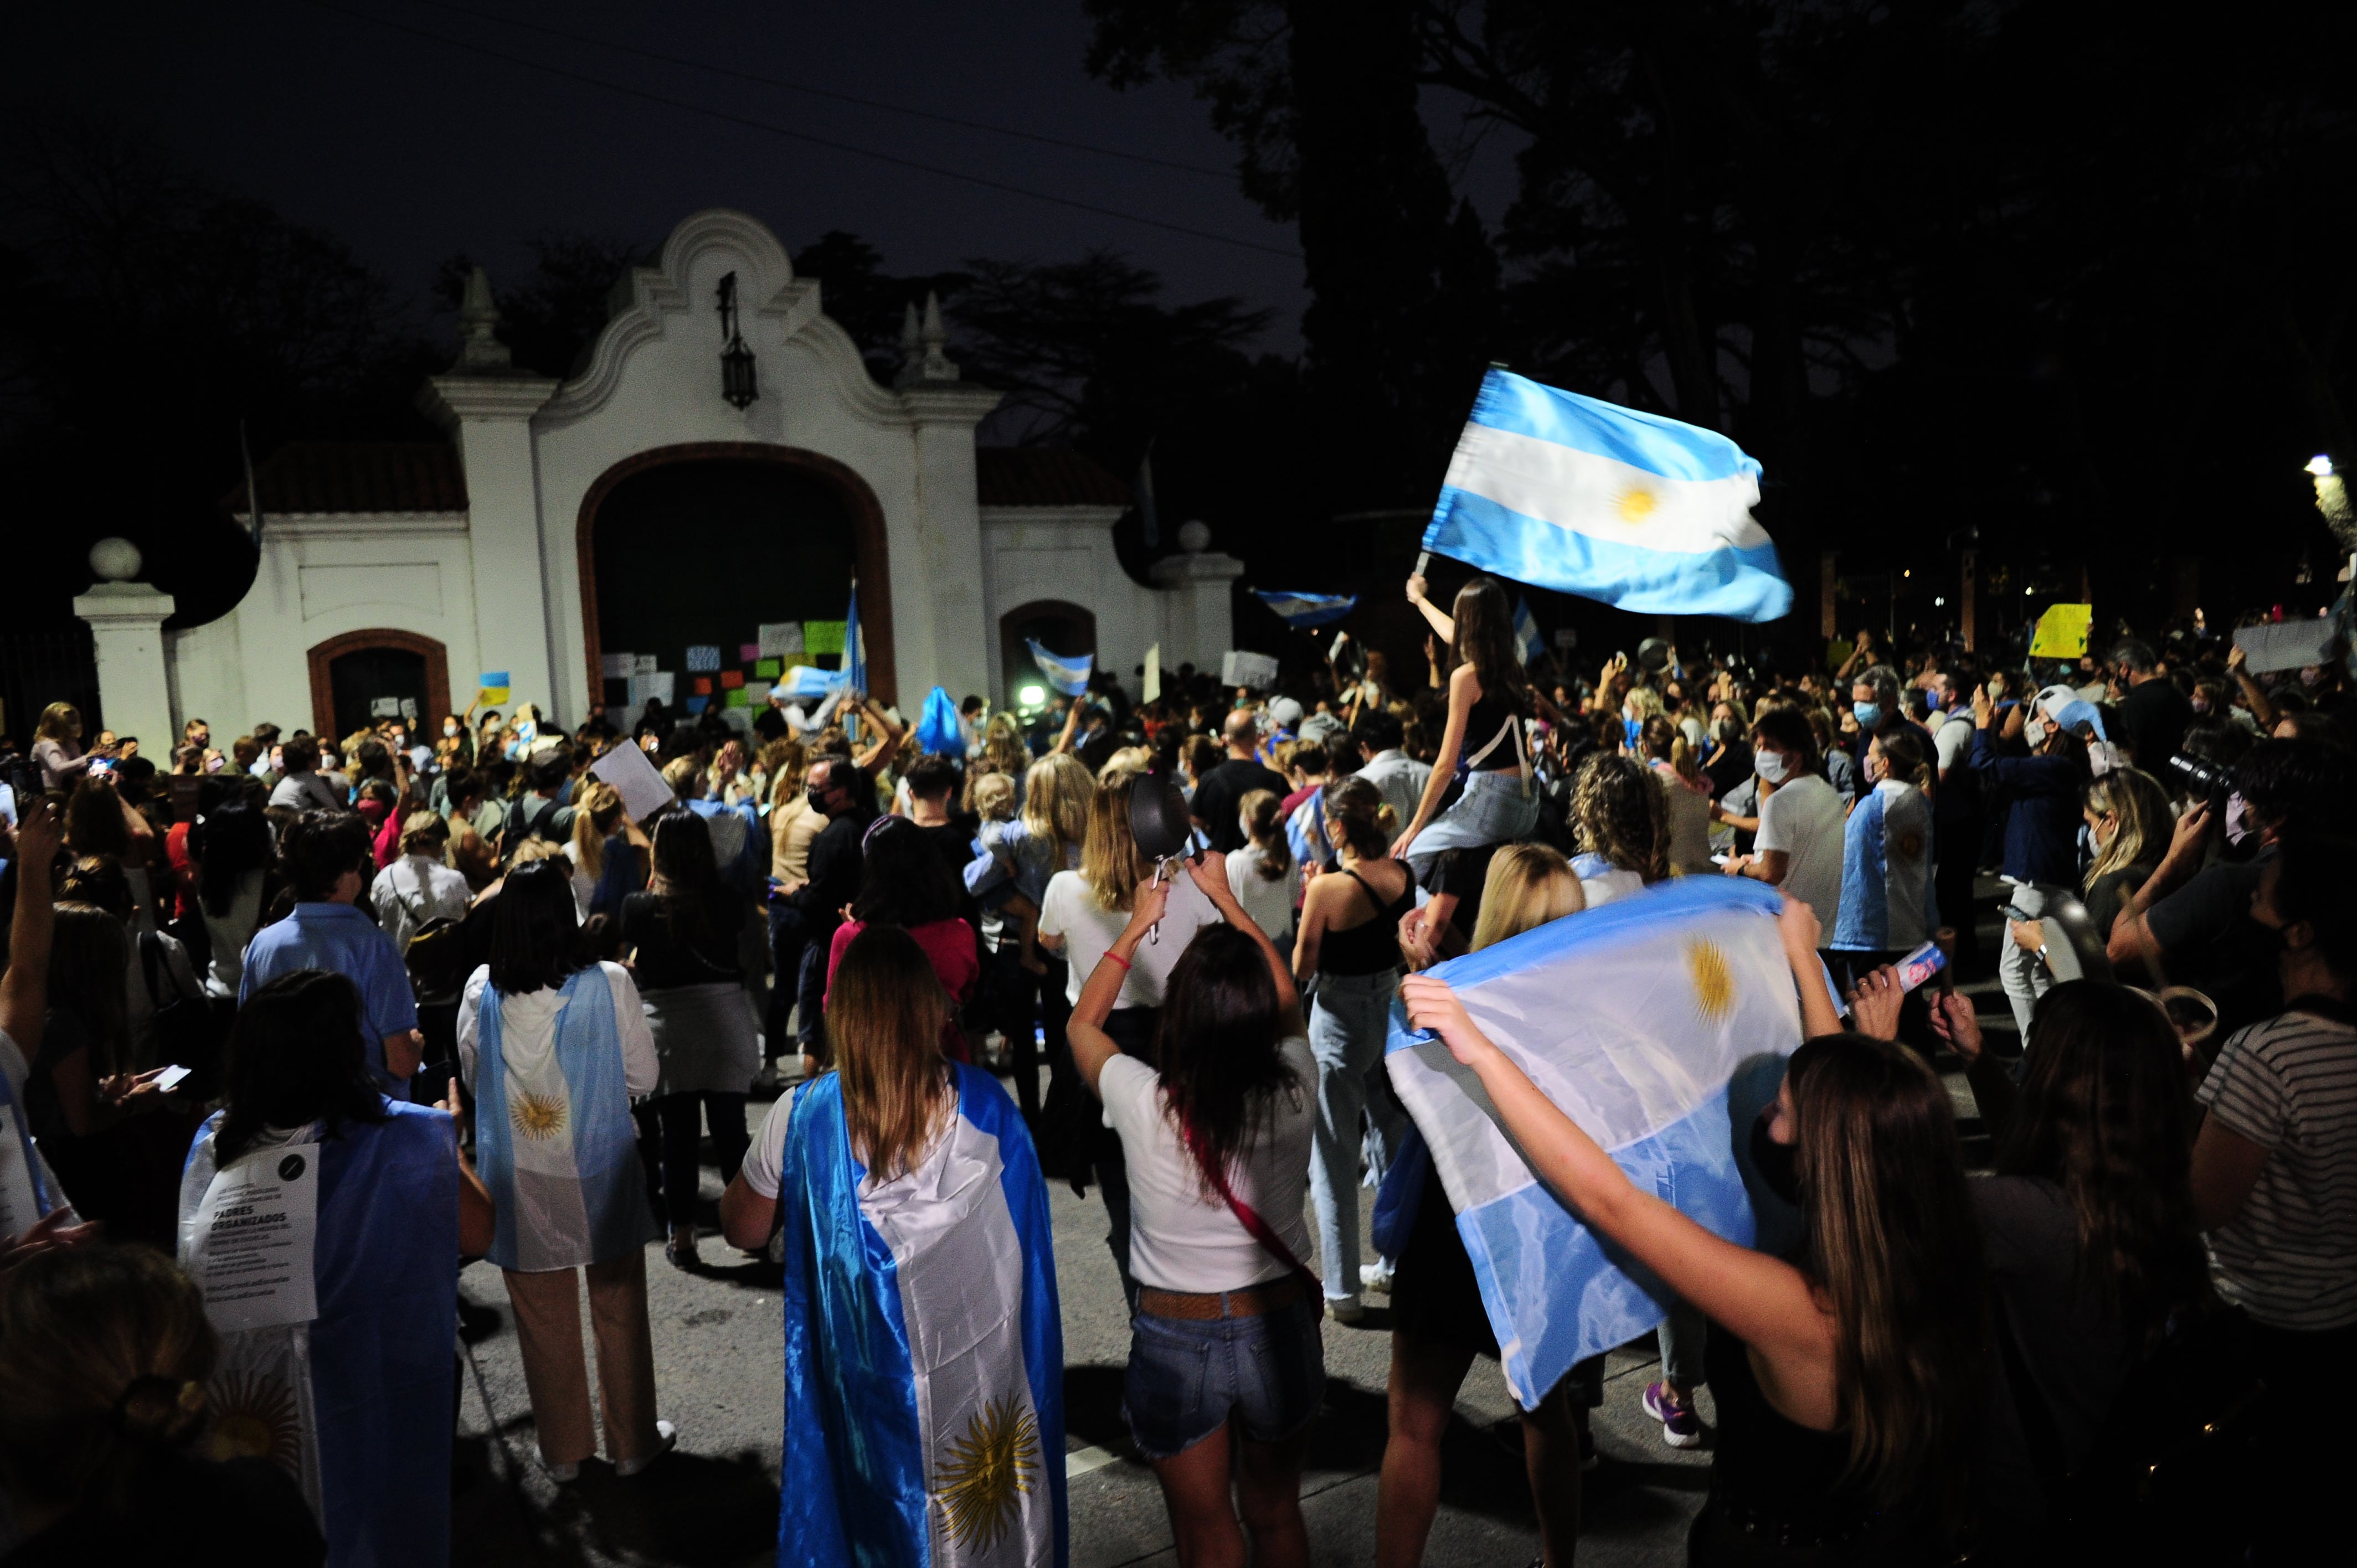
(255,1417)
(1714,979)
(987,1471)
(536,1116)
(1636,504)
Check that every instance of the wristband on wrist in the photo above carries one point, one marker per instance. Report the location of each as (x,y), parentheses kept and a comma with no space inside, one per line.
(1117,958)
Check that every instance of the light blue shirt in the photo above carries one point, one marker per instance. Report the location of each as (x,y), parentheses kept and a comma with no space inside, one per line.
(341,940)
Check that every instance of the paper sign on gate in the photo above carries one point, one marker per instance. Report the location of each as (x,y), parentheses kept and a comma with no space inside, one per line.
(252,1240)
(385,707)
(617,666)
(823,636)
(634,779)
(702,657)
(779,637)
(2062,631)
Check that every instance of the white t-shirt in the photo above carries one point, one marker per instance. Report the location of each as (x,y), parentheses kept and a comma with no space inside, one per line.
(1071,912)
(413,890)
(528,1028)
(1804,817)
(1268,902)
(1181,1241)
(1954,739)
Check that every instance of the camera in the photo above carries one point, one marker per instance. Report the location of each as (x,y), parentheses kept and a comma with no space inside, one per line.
(2202,777)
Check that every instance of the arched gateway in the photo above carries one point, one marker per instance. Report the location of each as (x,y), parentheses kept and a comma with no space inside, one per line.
(657,502)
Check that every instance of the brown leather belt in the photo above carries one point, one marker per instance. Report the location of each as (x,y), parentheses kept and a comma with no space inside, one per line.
(1257,1302)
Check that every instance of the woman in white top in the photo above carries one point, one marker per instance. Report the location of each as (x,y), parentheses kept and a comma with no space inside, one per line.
(56,748)
(1260,874)
(234,852)
(554,1047)
(1685,794)
(1224,1347)
(1082,915)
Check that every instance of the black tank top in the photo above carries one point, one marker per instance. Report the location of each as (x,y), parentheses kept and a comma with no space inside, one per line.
(1489,715)
(1370,947)
(1780,1481)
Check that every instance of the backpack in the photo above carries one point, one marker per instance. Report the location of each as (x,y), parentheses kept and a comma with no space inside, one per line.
(521,828)
(188,1033)
(436,953)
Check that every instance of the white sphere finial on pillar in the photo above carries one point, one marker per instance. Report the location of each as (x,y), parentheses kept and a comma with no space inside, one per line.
(1194,536)
(115,560)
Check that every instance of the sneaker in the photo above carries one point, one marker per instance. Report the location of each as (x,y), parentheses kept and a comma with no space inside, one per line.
(1375,1276)
(666,1439)
(1345,1308)
(563,1475)
(679,1252)
(1681,1427)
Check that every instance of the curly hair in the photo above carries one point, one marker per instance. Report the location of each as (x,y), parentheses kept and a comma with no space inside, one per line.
(1619,812)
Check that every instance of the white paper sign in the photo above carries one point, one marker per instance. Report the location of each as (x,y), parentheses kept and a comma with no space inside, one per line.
(2286,645)
(385,707)
(252,1239)
(618,666)
(1153,684)
(1257,670)
(757,694)
(779,637)
(634,779)
(645,665)
(409,709)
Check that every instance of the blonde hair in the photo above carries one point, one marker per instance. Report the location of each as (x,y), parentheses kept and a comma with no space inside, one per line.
(682,775)
(1127,763)
(1056,795)
(1644,702)
(1528,885)
(2137,798)
(788,761)
(993,797)
(1263,824)
(424,832)
(59,721)
(594,816)
(535,849)
(885,1011)
(1109,853)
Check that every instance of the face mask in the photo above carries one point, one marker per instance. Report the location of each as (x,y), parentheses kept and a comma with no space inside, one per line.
(1869,715)
(2034,732)
(1779,1164)
(450,729)
(1770,765)
(2238,820)
(1629,730)
(2201,706)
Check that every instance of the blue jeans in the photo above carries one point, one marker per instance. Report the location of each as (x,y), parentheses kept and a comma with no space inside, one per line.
(1349,1019)
(1186,1378)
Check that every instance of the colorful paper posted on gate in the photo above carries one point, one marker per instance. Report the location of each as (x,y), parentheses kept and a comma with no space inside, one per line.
(702,656)
(731,679)
(823,636)
(769,669)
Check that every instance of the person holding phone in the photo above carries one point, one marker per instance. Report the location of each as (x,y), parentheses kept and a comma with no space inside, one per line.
(56,748)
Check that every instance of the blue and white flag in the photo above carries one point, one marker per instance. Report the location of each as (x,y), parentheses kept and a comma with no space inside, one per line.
(1070,676)
(1631,1018)
(807,684)
(1302,611)
(855,645)
(1526,631)
(924,1353)
(1588,498)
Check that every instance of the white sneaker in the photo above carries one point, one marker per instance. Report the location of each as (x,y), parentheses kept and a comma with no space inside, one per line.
(666,1439)
(1345,1308)
(1375,1277)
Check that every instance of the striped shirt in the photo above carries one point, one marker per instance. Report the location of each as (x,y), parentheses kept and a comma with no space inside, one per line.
(2289,1257)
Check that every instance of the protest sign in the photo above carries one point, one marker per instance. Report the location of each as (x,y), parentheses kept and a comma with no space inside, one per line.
(2286,645)
(634,779)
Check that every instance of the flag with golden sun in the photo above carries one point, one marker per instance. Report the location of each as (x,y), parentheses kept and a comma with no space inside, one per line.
(1631,1017)
(924,1351)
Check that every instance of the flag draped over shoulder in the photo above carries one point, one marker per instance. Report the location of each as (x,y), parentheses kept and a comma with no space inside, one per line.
(1588,498)
(1070,676)
(924,1358)
(1631,1018)
(1302,611)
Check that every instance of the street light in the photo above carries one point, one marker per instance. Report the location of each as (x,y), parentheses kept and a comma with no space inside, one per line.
(1031,696)
(2320,465)
(736,380)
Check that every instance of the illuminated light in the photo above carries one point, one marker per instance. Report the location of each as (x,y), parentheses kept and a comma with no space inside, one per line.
(1906,573)
(1031,696)
(2320,465)
(1938,603)
(2026,592)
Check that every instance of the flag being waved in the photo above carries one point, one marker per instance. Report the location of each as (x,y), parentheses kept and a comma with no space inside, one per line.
(1632,1018)
(1302,611)
(1584,497)
(1070,676)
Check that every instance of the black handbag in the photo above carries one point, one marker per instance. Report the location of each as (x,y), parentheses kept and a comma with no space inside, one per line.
(186,1032)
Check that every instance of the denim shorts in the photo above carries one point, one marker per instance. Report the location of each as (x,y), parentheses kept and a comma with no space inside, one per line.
(1187,1378)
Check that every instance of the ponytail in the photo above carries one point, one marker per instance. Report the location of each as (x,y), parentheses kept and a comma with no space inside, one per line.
(1264,820)
(1361,815)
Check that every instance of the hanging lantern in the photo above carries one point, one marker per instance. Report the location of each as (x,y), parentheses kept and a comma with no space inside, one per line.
(737,383)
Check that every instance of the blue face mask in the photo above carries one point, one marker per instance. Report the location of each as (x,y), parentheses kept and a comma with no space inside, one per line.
(1630,729)
(1869,715)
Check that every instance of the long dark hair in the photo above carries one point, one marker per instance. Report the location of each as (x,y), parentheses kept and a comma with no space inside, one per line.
(1485,639)
(297,1055)
(1216,1044)
(535,937)
(903,880)
(1894,1246)
(236,840)
(690,876)
(2106,1115)
(90,953)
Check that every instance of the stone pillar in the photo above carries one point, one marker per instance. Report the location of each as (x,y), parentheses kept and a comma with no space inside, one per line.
(126,620)
(1968,599)
(1198,620)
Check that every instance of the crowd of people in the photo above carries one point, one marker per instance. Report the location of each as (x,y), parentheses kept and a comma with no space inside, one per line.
(515,1023)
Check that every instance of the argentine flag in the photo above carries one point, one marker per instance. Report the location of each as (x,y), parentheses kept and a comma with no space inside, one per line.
(1302,611)
(1070,676)
(924,1353)
(1526,631)
(1588,498)
(1631,1018)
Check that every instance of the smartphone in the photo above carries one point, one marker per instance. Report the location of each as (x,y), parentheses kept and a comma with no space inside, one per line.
(101,766)
(431,1086)
(170,1078)
(1921,965)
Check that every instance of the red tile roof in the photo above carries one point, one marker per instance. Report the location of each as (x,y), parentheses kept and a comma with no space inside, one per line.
(357,476)
(1042,475)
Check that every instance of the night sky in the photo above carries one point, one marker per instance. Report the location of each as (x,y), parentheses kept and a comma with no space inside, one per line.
(410,149)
